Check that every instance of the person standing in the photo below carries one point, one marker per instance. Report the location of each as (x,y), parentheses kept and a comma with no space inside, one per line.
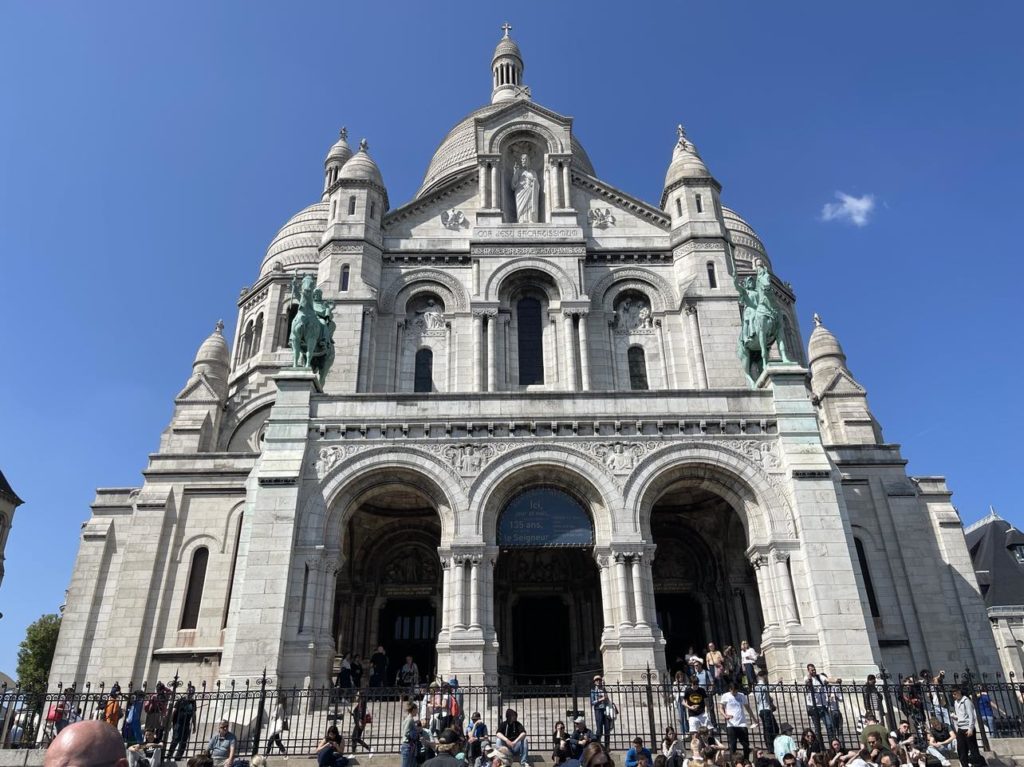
(357,671)
(749,656)
(873,698)
(344,680)
(735,708)
(410,736)
(600,702)
(766,710)
(695,700)
(965,721)
(360,718)
(280,725)
(408,674)
(817,687)
(378,667)
(183,719)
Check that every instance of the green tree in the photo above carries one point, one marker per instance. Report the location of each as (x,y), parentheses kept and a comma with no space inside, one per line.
(35,654)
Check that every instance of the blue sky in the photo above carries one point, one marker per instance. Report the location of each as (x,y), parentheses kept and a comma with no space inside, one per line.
(149,152)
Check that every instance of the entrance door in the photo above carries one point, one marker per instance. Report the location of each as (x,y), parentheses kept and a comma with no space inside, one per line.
(682,622)
(541,642)
(408,627)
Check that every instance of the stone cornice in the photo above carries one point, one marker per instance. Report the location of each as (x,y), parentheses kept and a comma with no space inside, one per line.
(413,207)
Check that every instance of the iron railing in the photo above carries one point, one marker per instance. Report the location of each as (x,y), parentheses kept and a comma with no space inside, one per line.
(645,709)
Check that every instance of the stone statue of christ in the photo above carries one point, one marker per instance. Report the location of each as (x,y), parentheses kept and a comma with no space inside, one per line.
(524,184)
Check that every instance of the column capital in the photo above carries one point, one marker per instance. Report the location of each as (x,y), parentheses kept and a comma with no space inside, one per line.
(690,309)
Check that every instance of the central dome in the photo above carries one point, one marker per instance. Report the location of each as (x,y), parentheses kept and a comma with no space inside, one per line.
(457,152)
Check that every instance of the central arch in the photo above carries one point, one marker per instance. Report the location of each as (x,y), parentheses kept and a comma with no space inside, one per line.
(544,519)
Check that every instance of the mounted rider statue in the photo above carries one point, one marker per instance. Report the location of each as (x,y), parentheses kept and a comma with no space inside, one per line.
(762,321)
(312,332)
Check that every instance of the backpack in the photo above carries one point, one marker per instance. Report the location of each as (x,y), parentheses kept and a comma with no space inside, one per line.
(453,706)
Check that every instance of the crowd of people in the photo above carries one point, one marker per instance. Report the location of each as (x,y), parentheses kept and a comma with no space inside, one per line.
(727,715)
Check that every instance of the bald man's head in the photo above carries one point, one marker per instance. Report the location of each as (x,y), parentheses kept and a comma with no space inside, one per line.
(86,744)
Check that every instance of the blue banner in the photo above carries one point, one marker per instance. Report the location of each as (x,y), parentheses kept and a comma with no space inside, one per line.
(545,517)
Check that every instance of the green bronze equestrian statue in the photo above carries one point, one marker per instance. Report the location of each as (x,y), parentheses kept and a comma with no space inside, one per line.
(762,320)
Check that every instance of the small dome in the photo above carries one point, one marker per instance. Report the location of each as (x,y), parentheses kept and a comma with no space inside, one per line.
(746,243)
(686,163)
(507,47)
(298,241)
(824,344)
(340,152)
(213,357)
(361,167)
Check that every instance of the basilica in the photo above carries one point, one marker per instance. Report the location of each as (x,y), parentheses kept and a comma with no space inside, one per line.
(522,427)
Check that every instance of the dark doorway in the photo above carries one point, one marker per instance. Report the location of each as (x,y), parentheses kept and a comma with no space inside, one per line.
(681,620)
(408,627)
(540,644)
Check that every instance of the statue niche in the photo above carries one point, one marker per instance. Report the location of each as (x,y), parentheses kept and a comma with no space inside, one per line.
(524,166)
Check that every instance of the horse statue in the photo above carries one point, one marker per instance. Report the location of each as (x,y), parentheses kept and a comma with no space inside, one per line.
(762,321)
(312,332)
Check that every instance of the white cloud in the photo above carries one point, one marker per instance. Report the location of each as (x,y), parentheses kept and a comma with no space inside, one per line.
(854,210)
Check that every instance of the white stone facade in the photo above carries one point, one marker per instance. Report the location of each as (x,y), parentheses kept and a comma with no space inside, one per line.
(324,514)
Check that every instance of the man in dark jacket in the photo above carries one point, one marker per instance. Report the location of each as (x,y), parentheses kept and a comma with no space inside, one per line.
(447,743)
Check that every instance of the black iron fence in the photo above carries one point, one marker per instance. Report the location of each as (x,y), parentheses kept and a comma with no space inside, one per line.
(185,718)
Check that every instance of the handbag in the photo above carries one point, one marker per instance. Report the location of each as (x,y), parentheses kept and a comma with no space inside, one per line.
(611,711)
(284,725)
(367,718)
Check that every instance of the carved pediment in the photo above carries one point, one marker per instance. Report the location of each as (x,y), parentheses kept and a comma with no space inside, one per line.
(843,383)
(198,391)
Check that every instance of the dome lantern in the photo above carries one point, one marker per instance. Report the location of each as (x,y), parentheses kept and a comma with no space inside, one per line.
(507,70)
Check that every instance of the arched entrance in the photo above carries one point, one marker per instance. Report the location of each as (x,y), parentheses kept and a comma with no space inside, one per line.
(389,587)
(547,592)
(704,587)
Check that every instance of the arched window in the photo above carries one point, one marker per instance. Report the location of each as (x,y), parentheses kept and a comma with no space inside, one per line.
(247,341)
(373,211)
(700,203)
(257,333)
(344,278)
(712,276)
(637,368)
(866,574)
(334,210)
(679,207)
(284,336)
(352,205)
(194,589)
(424,378)
(531,341)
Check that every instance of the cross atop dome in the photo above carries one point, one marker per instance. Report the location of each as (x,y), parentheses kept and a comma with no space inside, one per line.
(508,28)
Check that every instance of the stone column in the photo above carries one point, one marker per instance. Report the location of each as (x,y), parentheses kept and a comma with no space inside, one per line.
(399,344)
(492,355)
(482,181)
(488,591)
(604,571)
(474,592)
(784,586)
(620,582)
(566,186)
(764,588)
(478,334)
(584,352)
(638,592)
(700,371)
(495,187)
(446,591)
(364,379)
(570,350)
(458,605)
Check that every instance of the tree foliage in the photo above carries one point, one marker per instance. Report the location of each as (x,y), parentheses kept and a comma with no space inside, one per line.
(35,654)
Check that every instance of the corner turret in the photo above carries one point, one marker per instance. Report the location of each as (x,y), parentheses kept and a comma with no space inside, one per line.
(199,407)
(338,155)
(841,401)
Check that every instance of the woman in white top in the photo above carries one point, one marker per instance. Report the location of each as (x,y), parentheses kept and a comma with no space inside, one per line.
(748,657)
(280,724)
(673,750)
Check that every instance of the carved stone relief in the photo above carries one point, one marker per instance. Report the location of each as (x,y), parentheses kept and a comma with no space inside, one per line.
(633,315)
(601,218)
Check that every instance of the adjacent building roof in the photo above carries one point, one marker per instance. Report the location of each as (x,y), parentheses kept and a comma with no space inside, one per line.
(997,551)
